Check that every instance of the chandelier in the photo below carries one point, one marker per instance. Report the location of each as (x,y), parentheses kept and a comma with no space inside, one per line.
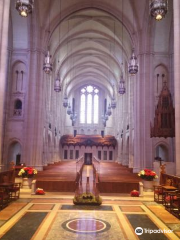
(73,117)
(158,8)
(113,103)
(122,88)
(47,66)
(133,66)
(57,84)
(24,7)
(109,112)
(105,118)
(65,100)
(69,110)
(113,100)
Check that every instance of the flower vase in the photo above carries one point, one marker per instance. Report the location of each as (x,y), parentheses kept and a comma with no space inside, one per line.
(26,183)
(148,185)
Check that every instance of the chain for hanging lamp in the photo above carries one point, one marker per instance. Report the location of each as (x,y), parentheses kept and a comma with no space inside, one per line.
(158,8)
(24,7)
(47,66)
(133,66)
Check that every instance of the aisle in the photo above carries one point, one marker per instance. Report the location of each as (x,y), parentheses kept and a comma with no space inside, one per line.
(87,184)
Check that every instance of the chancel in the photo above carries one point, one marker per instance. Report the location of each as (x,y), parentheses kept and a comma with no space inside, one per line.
(89,115)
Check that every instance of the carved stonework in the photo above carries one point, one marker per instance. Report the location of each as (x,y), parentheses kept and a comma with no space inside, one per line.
(88,140)
(164,121)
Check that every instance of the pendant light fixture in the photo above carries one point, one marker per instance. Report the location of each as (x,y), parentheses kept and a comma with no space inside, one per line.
(24,7)
(133,66)
(69,110)
(47,66)
(109,112)
(65,100)
(57,83)
(158,8)
(113,100)
(122,88)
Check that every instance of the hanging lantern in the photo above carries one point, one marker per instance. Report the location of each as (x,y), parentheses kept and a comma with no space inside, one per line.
(65,101)
(71,116)
(106,116)
(57,84)
(47,67)
(122,88)
(69,111)
(113,100)
(24,7)
(133,67)
(158,8)
(109,112)
(113,103)
(104,122)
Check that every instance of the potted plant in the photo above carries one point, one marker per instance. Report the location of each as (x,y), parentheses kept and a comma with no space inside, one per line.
(27,174)
(148,176)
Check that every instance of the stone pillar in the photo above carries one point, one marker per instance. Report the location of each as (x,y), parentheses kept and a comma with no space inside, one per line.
(34,125)
(4,23)
(142,141)
(177,82)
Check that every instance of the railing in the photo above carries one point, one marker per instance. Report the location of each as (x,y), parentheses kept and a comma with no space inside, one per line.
(79,164)
(79,169)
(96,172)
(174,180)
(96,164)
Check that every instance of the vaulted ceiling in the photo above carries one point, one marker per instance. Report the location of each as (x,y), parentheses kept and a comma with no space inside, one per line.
(89,40)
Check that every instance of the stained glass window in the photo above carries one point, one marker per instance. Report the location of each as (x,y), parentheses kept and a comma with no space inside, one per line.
(89,105)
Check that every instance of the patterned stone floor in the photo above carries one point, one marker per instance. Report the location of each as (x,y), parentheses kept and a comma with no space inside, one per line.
(53,218)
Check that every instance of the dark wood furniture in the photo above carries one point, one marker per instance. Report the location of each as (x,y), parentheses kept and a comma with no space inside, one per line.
(169,184)
(14,191)
(7,176)
(4,197)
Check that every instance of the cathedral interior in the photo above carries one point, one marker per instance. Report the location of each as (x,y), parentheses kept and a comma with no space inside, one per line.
(89,98)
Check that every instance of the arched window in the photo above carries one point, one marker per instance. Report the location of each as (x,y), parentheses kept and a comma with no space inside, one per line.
(89,105)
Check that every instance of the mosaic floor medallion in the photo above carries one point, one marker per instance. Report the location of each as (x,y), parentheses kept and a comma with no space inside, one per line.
(86,225)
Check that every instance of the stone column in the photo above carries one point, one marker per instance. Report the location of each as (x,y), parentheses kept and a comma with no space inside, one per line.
(4,23)
(142,141)
(34,124)
(177,82)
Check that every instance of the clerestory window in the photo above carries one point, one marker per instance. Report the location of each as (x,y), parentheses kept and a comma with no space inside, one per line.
(89,105)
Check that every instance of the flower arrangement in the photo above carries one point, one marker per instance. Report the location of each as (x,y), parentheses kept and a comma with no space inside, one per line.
(27,172)
(147,174)
(87,199)
(40,191)
(134,193)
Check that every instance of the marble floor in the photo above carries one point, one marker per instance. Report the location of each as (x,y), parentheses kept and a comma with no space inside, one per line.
(53,216)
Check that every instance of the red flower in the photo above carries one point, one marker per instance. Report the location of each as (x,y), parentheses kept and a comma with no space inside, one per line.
(134,193)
